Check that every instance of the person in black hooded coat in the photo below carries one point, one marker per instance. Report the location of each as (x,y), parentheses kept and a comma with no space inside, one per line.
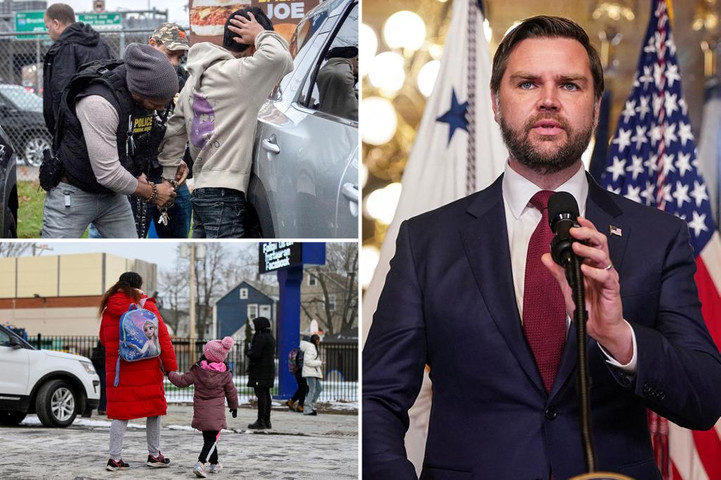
(76,43)
(261,370)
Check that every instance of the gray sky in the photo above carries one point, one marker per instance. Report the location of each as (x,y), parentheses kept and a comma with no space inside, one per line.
(162,252)
(175,8)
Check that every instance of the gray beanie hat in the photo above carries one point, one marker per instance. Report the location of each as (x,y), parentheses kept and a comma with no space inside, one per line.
(149,72)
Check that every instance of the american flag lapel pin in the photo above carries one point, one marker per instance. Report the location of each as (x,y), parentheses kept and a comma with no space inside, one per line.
(614,230)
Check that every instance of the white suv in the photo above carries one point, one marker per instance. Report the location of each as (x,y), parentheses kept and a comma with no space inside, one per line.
(54,385)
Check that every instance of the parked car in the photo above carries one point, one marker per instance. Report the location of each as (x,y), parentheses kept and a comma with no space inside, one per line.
(8,188)
(54,385)
(305,161)
(21,116)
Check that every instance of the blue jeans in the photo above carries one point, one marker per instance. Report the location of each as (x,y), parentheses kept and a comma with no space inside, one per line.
(178,216)
(314,389)
(218,213)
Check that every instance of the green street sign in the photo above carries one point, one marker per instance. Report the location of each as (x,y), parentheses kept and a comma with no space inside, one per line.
(30,22)
(101,19)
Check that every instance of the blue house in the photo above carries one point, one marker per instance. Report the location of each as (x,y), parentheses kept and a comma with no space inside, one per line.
(242,303)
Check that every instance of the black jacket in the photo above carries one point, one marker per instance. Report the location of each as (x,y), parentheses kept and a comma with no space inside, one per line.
(72,149)
(261,371)
(78,44)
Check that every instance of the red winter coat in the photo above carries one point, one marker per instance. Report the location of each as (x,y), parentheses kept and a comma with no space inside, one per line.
(140,392)
(211,390)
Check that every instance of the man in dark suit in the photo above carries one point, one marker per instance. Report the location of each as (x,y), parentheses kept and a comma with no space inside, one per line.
(470,281)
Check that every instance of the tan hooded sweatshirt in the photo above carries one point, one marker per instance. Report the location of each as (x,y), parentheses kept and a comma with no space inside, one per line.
(217,110)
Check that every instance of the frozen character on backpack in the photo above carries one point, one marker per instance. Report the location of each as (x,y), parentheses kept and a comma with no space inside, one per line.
(139,391)
(213,382)
(151,347)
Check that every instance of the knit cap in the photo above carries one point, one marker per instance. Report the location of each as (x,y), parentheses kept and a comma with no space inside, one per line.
(217,350)
(150,73)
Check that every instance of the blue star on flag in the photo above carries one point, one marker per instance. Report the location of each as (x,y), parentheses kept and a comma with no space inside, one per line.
(455,117)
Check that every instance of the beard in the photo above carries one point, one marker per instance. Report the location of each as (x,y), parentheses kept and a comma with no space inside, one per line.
(520,147)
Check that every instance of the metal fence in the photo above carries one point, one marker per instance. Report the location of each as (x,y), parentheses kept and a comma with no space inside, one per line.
(340,370)
(21,91)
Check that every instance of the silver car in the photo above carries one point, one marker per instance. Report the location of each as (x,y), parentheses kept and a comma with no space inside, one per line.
(305,159)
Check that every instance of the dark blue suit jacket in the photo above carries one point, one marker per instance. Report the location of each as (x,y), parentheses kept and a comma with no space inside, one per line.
(449,302)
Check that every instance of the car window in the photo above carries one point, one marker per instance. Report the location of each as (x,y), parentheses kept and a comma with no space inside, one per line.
(17,97)
(332,86)
(4,339)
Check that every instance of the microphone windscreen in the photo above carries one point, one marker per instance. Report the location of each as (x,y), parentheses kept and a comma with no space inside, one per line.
(561,205)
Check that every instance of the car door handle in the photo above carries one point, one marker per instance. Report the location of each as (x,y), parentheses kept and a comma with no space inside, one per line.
(270,146)
(350,192)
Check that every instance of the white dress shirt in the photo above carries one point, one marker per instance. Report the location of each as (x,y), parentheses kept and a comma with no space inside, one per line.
(522,219)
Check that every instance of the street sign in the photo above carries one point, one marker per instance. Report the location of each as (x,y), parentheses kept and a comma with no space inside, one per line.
(111,20)
(32,21)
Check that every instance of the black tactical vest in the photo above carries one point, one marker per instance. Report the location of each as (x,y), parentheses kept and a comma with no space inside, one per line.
(108,80)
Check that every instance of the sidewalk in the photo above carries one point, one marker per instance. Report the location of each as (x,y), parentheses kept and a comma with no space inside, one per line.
(298,447)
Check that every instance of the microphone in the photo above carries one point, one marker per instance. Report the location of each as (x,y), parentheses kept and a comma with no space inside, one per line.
(562,215)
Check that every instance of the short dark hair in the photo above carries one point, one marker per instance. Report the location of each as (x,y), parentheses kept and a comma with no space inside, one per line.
(228,36)
(61,12)
(543,26)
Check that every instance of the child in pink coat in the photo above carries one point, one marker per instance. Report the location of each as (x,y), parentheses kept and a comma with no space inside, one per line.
(213,382)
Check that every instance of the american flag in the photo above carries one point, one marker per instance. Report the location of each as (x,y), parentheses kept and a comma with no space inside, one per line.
(652,160)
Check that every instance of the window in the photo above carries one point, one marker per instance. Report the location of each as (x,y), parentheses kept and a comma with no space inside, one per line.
(331,302)
(243,293)
(336,78)
(312,281)
(252,311)
(265,311)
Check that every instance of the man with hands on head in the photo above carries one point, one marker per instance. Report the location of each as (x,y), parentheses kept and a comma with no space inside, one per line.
(216,113)
(473,293)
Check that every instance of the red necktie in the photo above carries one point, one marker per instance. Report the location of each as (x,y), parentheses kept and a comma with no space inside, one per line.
(544,309)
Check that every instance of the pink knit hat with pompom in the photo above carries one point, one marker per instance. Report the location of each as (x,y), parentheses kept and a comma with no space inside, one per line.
(217,350)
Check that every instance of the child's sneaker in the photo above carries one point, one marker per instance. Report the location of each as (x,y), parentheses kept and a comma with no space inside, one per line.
(114,465)
(158,462)
(199,470)
(215,468)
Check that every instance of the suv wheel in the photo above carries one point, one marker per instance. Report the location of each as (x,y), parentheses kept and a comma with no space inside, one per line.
(11,418)
(56,404)
(33,151)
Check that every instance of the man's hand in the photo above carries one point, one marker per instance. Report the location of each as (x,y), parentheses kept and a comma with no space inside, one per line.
(166,193)
(234,411)
(603,291)
(181,174)
(246,29)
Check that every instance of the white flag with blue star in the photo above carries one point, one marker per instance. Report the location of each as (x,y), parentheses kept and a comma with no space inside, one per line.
(458,150)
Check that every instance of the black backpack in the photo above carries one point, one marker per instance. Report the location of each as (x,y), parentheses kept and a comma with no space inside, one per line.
(51,170)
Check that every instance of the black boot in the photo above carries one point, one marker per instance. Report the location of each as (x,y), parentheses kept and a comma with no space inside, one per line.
(258,425)
(267,422)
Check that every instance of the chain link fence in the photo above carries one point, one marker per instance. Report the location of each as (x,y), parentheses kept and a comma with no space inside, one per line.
(21,90)
(340,369)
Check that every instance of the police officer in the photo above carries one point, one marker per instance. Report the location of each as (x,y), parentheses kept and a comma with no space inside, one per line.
(98,150)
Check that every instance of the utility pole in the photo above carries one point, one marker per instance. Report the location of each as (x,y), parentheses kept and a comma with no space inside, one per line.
(191,310)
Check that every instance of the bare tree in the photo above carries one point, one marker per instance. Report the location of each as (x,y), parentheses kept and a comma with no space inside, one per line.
(339,278)
(173,284)
(17,249)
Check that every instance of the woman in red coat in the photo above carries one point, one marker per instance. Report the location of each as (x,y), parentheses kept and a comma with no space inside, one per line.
(140,391)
